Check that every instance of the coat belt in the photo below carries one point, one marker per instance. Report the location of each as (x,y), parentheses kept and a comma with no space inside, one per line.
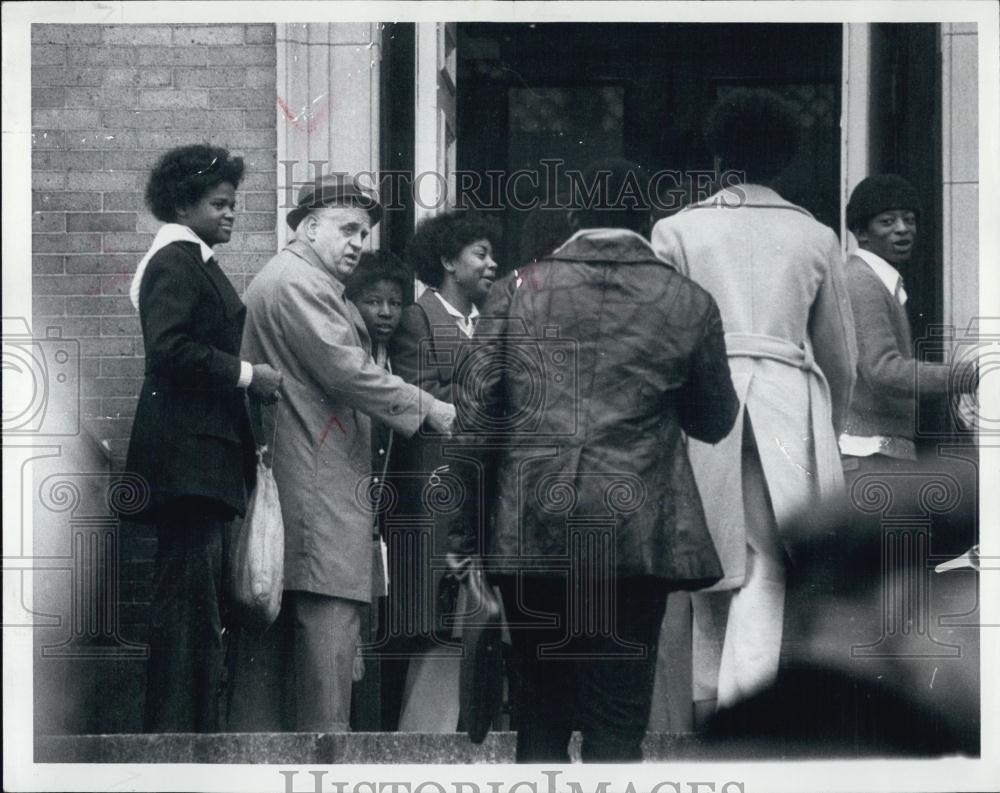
(759,345)
(829,473)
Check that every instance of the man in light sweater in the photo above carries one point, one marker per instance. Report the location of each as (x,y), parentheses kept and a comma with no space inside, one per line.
(882,214)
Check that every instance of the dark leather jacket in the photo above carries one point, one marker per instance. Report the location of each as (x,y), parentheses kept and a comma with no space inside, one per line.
(587,370)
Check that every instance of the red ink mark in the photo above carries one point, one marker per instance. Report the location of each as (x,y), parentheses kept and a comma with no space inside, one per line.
(283,106)
(312,115)
(529,278)
(326,430)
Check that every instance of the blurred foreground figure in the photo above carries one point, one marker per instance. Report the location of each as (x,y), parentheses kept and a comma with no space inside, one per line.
(586,369)
(882,624)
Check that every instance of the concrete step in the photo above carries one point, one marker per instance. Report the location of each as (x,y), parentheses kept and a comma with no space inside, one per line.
(314,748)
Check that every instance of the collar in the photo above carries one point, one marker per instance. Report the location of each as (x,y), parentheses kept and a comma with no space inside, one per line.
(177,232)
(607,244)
(305,252)
(887,274)
(464,322)
(167,234)
(746,195)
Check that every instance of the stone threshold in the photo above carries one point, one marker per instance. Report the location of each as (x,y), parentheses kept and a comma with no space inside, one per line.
(315,748)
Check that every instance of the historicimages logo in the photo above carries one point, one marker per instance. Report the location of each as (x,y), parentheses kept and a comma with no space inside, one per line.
(973,356)
(41,394)
(319,781)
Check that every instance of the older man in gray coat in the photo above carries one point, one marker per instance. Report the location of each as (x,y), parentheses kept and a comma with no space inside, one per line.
(297,315)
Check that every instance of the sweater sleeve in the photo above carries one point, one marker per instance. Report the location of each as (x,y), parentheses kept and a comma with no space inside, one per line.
(882,365)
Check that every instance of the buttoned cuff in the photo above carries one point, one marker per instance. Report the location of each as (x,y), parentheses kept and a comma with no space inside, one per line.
(246,374)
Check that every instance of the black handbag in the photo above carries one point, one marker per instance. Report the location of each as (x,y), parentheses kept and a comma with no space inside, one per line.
(481,676)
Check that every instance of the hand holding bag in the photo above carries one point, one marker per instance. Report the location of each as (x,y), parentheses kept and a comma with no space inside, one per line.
(258,556)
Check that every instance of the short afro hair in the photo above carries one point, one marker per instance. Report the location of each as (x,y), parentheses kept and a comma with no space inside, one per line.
(754,131)
(614,194)
(375,266)
(880,193)
(443,237)
(183,175)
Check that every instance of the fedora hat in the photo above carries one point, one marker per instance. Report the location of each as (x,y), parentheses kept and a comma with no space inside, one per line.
(332,189)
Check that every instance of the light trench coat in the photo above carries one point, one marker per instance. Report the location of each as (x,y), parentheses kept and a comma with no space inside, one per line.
(779,280)
(299,322)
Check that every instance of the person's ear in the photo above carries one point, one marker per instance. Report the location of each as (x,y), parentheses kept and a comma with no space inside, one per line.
(181,213)
(309,226)
(448,265)
(573,220)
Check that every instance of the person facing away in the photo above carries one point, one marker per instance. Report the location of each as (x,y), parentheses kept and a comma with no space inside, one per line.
(191,439)
(297,315)
(586,370)
(882,214)
(778,278)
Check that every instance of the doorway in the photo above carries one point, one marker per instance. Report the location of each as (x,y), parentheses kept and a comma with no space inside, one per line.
(573,93)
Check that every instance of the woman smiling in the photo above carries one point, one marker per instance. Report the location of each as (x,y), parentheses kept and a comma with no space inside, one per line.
(452,254)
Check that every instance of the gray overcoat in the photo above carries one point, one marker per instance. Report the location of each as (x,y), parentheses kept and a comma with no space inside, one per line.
(299,322)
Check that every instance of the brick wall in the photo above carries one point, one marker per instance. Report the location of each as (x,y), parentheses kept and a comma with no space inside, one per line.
(107,100)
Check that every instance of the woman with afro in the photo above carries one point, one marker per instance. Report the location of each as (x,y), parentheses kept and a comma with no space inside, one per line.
(452,254)
(191,439)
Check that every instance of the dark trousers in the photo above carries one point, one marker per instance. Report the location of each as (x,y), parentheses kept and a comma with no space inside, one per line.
(186,657)
(584,661)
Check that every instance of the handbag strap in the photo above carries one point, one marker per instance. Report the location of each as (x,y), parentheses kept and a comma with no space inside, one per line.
(262,450)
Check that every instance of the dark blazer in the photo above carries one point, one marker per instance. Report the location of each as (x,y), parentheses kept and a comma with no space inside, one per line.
(423,348)
(192,434)
(422,352)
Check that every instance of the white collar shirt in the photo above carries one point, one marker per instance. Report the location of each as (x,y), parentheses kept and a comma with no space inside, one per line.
(886,273)
(466,324)
(168,233)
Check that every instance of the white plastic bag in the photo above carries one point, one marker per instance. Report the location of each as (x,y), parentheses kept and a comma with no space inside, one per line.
(258,556)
